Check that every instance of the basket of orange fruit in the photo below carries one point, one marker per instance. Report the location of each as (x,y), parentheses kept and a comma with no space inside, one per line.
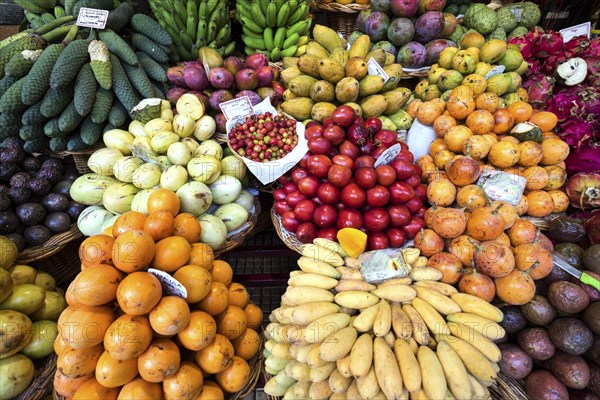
(153,314)
(342,14)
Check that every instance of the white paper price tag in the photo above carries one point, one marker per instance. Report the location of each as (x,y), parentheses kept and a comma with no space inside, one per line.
(517,12)
(388,155)
(169,284)
(375,69)
(576,30)
(92,18)
(497,70)
(237,108)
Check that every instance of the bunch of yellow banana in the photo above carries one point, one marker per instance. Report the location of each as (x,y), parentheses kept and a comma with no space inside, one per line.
(336,336)
(194,24)
(277,28)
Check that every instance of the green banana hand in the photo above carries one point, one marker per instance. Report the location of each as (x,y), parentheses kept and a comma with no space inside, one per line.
(272,14)
(268,38)
(283,14)
(259,17)
(279,37)
(202,28)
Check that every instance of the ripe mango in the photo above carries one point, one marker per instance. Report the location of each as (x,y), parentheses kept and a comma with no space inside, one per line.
(396,99)
(373,106)
(289,73)
(298,108)
(347,90)
(356,67)
(327,37)
(331,70)
(301,85)
(492,51)
(322,91)
(360,47)
(369,85)
(309,64)
(322,110)
(315,49)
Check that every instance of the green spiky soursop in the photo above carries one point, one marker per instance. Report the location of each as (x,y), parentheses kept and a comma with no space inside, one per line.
(506,19)
(518,31)
(451,9)
(481,18)
(531,15)
(497,33)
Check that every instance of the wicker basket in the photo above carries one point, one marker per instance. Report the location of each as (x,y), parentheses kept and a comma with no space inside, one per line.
(342,17)
(42,378)
(237,239)
(64,265)
(80,157)
(55,244)
(286,237)
(417,73)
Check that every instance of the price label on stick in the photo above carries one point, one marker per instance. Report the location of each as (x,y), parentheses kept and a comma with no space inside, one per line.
(92,18)
(576,30)
(388,155)
(237,108)
(375,69)
(169,284)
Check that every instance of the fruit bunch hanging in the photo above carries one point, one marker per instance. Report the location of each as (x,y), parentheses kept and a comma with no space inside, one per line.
(554,338)
(337,336)
(227,79)
(165,155)
(29,308)
(325,193)
(276,28)
(195,24)
(412,31)
(63,86)
(34,196)
(195,341)
(327,75)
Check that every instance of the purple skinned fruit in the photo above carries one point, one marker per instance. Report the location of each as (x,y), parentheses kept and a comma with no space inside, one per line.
(266,75)
(256,60)
(376,26)
(386,46)
(404,8)
(431,5)
(202,96)
(400,31)
(195,78)
(220,78)
(411,55)
(217,97)
(381,5)
(233,64)
(429,26)
(175,93)
(434,48)
(221,122)
(175,76)
(361,19)
(254,98)
(246,79)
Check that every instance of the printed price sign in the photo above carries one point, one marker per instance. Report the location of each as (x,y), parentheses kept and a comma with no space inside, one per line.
(577,30)
(375,69)
(497,70)
(92,18)
(237,108)
(388,155)
(169,284)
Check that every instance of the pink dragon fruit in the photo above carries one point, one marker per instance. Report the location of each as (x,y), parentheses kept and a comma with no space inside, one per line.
(552,62)
(585,159)
(540,91)
(593,66)
(593,49)
(562,103)
(525,46)
(576,46)
(547,44)
(575,132)
(535,67)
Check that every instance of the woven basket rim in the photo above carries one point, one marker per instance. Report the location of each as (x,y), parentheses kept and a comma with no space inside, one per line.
(342,8)
(51,247)
(42,379)
(286,236)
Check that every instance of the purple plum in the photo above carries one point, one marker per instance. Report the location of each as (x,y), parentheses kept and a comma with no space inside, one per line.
(434,48)
(220,78)
(429,26)
(404,8)
(376,26)
(361,19)
(401,31)
(254,98)
(217,97)
(386,46)
(411,55)
(381,5)
(233,64)
(246,79)
(195,78)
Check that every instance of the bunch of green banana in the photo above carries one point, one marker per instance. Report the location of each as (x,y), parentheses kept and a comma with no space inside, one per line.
(194,24)
(277,28)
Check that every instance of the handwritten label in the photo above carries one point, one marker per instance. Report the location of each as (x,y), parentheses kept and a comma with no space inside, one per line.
(92,18)
(577,30)
(169,284)
(388,155)
(237,108)
(497,70)
(375,69)
(502,186)
(517,12)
